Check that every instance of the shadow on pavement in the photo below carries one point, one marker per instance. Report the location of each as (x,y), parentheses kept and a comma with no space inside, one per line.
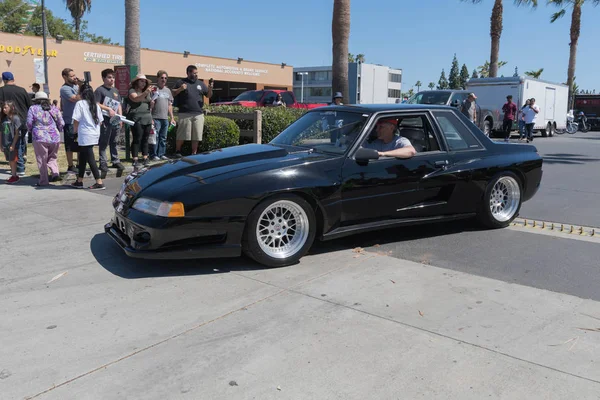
(566,158)
(393,235)
(110,256)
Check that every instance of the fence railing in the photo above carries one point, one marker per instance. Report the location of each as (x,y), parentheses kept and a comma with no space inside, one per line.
(256,117)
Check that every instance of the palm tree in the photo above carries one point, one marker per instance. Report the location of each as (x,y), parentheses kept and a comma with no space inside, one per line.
(575,32)
(418,85)
(360,58)
(496,30)
(340,33)
(431,85)
(132,33)
(77,9)
(535,74)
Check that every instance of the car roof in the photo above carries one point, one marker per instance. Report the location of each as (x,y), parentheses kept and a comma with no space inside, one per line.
(372,108)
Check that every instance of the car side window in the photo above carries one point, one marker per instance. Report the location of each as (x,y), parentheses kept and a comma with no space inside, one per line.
(457,135)
(269,98)
(415,128)
(287,98)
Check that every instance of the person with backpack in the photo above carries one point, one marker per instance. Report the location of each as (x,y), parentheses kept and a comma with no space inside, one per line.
(45,122)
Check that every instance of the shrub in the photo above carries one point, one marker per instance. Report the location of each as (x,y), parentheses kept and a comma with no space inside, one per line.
(274,119)
(218,133)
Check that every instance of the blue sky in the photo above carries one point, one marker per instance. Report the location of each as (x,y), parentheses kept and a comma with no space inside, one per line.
(413,35)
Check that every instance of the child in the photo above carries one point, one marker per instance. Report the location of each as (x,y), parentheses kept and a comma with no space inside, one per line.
(10,137)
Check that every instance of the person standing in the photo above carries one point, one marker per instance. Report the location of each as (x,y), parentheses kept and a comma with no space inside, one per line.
(531,111)
(69,96)
(45,123)
(35,87)
(108,98)
(162,111)
(139,112)
(522,120)
(189,97)
(510,112)
(87,118)
(469,108)
(22,102)
(9,142)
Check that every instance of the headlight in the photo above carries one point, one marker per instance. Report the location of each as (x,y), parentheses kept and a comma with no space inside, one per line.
(159,208)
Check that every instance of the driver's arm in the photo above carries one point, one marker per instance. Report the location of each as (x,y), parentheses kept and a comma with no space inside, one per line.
(403,152)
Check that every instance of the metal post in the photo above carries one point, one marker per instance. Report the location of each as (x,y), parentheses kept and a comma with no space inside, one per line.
(302,89)
(44,37)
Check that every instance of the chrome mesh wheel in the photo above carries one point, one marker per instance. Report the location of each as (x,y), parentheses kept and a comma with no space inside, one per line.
(505,199)
(282,229)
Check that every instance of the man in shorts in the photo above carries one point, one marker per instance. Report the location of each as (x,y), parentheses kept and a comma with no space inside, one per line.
(189,98)
(69,95)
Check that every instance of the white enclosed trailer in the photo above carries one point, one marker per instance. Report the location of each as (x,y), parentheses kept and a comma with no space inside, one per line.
(551,98)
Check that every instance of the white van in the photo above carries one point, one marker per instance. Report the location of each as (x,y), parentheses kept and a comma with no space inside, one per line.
(551,98)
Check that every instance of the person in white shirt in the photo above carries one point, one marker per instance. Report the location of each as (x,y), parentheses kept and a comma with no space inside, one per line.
(530,112)
(87,118)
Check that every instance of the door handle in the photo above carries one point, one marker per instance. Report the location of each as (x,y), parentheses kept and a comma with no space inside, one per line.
(441,164)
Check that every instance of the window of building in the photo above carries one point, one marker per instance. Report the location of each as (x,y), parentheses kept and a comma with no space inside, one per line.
(394,93)
(320,91)
(395,78)
(322,76)
(457,135)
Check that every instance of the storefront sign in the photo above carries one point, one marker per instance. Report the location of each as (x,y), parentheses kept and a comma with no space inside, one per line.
(105,58)
(231,70)
(24,50)
(122,80)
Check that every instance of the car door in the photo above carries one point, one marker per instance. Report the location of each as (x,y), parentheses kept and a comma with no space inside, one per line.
(393,188)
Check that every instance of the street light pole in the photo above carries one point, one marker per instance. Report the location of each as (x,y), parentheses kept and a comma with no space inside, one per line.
(44,36)
(302,86)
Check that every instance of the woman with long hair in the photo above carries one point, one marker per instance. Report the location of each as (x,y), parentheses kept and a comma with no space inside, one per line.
(140,101)
(522,120)
(45,122)
(87,117)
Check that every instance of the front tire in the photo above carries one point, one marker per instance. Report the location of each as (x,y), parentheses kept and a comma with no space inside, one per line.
(501,201)
(279,231)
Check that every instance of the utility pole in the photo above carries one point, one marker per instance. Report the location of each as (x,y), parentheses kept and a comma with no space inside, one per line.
(45,54)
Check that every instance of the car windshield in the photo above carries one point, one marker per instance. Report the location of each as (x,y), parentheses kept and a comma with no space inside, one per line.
(251,95)
(430,97)
(325,131)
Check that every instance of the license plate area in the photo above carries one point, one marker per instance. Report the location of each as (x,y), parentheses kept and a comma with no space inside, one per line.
(122,225)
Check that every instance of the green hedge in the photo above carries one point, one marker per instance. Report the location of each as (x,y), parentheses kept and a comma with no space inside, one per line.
(274,119)
(218,133)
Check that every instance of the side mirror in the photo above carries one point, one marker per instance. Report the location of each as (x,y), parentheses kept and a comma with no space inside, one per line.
(363,155)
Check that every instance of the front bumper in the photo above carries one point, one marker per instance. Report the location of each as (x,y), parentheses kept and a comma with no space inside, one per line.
(147,237)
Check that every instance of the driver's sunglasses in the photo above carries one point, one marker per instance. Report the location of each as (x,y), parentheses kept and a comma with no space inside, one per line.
(164,77)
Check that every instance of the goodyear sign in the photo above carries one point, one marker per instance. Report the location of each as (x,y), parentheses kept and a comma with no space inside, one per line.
(27,50)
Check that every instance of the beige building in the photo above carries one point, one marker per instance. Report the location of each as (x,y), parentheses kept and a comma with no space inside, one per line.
(22,55)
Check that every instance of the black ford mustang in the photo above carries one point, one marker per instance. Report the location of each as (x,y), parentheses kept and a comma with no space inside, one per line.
(319,178)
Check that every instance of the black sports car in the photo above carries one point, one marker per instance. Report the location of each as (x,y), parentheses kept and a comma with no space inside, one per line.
(320,178)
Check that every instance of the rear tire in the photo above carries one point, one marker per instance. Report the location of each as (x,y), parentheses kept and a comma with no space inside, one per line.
(501,201)
(279,231)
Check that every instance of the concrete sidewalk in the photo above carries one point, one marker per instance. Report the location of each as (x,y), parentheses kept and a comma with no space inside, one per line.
(340,325)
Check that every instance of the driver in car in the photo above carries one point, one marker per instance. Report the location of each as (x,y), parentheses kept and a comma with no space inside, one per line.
(388,144)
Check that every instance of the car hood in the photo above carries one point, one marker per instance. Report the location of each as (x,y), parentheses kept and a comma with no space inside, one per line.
(211,164)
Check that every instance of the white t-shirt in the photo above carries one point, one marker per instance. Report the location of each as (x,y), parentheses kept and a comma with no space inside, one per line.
(88,132)
(530,115)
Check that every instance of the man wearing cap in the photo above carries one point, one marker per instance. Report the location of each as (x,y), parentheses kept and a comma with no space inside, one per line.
(469,109)
(189,98)
(510,111)
(22,100)
(337,99)
(388,144)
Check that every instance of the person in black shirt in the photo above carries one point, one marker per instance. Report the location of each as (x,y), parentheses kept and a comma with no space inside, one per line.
(189,97)
(17,94)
